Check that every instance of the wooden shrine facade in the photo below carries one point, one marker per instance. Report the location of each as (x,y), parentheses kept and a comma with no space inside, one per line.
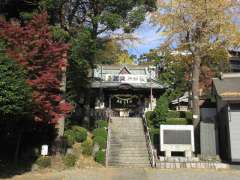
(126,90)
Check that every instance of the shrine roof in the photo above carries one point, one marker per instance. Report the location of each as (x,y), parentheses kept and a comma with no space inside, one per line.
(116,69)
(148,85)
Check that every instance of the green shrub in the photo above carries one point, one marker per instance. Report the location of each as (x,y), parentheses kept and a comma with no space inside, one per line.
(102,124)
(188,115)
(69,160)
(87,147)
(161,111)
(101,141)
(100,132)
(154,134)
(70,137)
(43,161)
(149,117)
(80,133)
(100,157)
(176,121)
(173,114)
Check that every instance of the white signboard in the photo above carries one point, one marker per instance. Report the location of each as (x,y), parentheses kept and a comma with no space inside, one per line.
(44,151)
(177,138)
(128,78)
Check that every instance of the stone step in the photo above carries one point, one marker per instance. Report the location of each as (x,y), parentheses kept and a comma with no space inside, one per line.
(128,165)
(118,129)
(129,156)
(122,121)
(127,134)
(137,140)
(126,118)
(129,162)
(133,139)
(127,153)
(128,143)
(130,128)
(121,125)
(128,149)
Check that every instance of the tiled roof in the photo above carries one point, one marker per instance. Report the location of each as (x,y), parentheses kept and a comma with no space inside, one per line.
(148,85)
(120,66)
(228,87)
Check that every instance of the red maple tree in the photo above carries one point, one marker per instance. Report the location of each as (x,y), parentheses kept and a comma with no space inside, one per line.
(45,61)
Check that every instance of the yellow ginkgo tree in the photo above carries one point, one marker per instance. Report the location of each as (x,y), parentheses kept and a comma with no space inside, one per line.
(198,26)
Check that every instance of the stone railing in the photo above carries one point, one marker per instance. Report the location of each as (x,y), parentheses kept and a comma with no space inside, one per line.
(151,151)
(109,115)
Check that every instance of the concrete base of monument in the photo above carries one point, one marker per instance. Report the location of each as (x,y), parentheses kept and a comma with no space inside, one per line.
(189,163)
(178,159)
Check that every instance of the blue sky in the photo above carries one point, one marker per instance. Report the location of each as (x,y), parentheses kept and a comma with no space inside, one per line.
(148,36)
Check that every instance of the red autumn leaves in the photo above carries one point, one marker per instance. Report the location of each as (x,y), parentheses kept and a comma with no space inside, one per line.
(44,60)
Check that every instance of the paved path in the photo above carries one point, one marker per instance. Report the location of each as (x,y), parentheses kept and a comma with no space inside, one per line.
(133,174)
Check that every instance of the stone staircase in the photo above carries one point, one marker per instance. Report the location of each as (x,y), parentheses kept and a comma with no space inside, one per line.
(127,144)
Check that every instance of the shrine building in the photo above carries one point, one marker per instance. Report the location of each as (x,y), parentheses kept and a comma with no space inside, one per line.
(126,90)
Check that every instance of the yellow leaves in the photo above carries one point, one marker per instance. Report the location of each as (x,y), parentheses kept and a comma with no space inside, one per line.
(124,58)
(201,19)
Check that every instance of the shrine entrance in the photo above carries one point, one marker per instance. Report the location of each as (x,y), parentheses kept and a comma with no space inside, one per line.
(126,105)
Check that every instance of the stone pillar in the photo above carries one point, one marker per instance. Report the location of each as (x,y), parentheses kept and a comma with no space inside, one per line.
(110,102)
(188,154)
(154,102)
(168,154)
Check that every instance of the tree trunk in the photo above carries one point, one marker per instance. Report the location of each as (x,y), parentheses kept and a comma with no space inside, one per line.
(195,90)
(195,100)
(60,125)
(61,121)
(18,147)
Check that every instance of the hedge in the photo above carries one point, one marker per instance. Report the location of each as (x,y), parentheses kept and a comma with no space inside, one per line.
(154,134)
(70,137)
(188,115)
(102,132)
(102,124)
(149,117)
(173,114)
(87,147)
(69,160)
(80,133)
(177,121)
(101,141)
(44,161)
(100,157)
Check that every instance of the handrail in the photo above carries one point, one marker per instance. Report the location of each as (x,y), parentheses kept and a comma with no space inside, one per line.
(108,139)
(151,151)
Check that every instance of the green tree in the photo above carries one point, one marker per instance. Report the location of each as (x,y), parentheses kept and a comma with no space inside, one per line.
(15,94)
(15,99)
(161,110)
(98,15)
(152,57)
